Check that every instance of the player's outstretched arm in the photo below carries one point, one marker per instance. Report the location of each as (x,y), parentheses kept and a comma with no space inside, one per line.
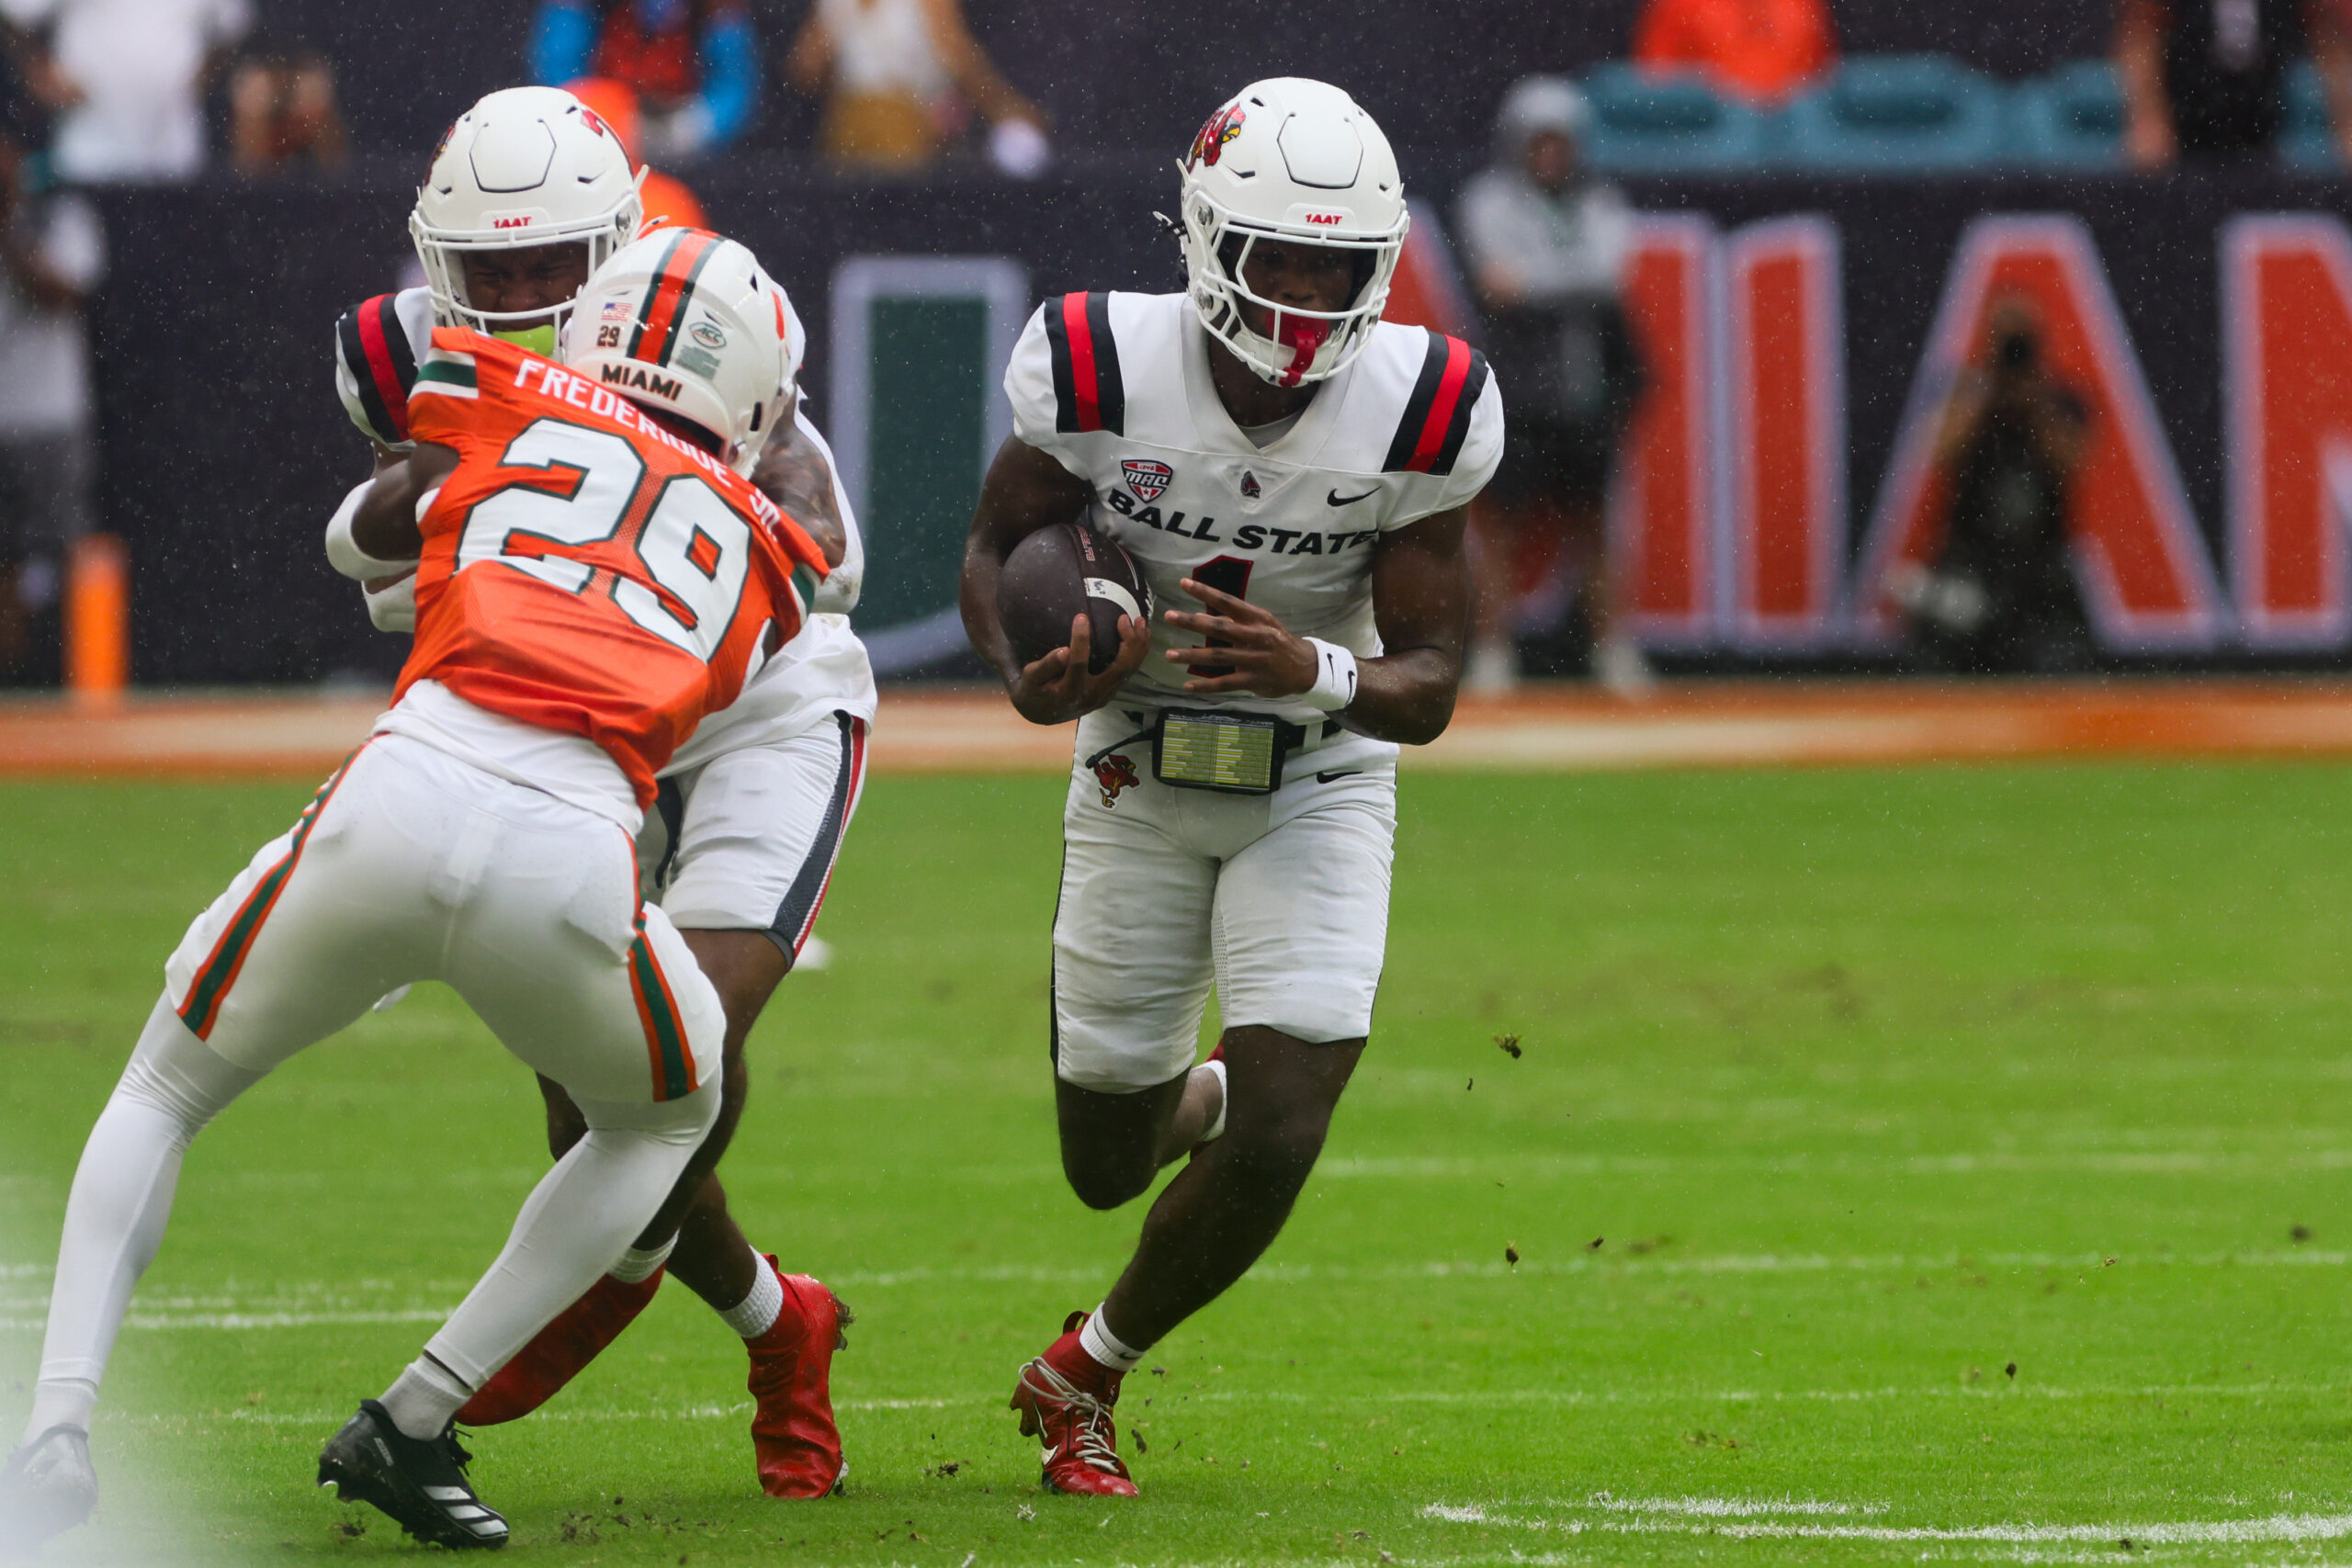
(1026,490)
(1420,598)
(794,474)
(385,525)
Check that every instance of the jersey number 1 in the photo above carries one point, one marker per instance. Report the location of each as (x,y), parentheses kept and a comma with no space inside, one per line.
(696,548)
(1227,574)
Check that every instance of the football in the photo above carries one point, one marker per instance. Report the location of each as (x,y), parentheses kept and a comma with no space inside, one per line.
(1058,574)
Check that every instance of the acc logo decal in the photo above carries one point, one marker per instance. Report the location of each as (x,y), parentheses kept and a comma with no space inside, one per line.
(708,335)
(1114,775)
(1149,479)
(1222,127)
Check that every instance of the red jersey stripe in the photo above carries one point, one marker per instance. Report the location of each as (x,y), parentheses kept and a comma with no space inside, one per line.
(1084,380)
(1448,393)
(380,368)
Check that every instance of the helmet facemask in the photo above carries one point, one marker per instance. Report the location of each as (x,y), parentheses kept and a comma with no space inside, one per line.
(443,254)
(1299,346)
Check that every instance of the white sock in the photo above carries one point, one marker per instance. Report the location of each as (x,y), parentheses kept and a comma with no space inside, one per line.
(1215,1067)
(422,1399)
(1099,1342)
(757,1313)
(579,1217)
(639,1263)
(62,1402)
(121,1201)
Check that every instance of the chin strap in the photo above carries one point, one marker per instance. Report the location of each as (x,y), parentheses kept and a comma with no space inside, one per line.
(1304,339)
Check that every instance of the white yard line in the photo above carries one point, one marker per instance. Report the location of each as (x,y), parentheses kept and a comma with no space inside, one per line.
(1734,1518)
(305,1304)
(1500,1398)
(2109,1162)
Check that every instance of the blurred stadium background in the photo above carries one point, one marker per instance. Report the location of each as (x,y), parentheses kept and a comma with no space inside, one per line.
(1809,270)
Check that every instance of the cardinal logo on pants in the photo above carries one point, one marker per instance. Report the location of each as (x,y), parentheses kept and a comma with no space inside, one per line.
(1114,775)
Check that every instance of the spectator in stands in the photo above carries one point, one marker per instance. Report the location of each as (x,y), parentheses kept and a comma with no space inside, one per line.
(1547,245)
(901,78)
(2001,597)
(282,110)
(1765,49)
(694,65)
(666,198)
(52,256)
(2203,79)
(126,79)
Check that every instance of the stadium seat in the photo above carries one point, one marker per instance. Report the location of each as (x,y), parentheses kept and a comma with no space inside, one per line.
(2072,118)
(1897,112)
(2306,143)
(1645,123)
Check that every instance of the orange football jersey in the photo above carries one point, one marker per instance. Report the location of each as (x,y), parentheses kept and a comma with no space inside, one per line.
(584,569)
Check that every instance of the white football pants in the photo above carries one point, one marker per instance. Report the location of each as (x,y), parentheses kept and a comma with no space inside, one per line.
(411,865)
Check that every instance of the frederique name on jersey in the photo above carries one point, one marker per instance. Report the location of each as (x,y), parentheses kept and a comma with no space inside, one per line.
(557,382)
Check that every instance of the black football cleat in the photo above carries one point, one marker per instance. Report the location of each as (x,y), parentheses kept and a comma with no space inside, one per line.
(419,1481)
(47,1487)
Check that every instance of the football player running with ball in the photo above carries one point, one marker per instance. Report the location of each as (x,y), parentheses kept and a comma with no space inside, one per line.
(749,814)
(1292,472)
(597,575)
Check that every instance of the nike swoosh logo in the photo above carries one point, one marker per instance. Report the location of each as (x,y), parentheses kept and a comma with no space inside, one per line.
(1344,774)
(1336,498)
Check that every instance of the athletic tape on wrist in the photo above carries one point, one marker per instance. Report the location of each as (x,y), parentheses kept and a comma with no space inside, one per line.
(1335,676)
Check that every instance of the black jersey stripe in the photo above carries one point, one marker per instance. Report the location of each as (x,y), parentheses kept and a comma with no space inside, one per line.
(1458,430)
(1064,380)
(1089,393)
(396,343)
(1110,386)
(352,349)
(1407,439)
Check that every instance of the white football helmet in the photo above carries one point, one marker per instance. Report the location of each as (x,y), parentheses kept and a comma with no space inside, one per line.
(526,166)
(1298,159)
(685,320)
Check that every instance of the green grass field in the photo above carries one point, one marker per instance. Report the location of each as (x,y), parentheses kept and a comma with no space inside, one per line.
(1843,1094)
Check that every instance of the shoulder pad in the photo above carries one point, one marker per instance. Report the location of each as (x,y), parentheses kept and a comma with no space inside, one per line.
(1437,416)
(1089,393)
(379,365)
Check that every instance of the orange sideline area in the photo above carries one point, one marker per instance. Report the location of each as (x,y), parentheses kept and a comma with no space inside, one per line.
(1563,728)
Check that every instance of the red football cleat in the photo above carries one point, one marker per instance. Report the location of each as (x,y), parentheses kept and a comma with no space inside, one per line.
(793,1436)
(576,1337)
(1065,1398)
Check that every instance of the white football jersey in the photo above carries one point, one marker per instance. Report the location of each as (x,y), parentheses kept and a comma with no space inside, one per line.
(821,671)
(1116,387)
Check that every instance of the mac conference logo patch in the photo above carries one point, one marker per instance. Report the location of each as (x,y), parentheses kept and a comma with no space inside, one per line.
(1148,479)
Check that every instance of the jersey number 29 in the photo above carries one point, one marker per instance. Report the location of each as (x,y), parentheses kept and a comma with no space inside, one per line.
(694,546)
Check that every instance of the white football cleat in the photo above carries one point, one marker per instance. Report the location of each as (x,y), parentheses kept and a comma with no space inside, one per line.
(48,1486)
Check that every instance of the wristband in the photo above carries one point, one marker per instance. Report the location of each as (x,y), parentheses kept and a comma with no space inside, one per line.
(343,552)
(1335,677)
